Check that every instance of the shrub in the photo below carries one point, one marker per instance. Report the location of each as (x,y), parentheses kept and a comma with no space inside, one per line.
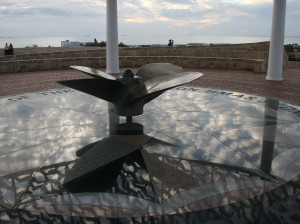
(102,44)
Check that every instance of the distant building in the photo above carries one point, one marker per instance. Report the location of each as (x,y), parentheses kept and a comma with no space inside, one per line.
(68,43)
(296,48)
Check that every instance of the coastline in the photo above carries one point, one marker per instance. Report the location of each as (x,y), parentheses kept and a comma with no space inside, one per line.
(20,42)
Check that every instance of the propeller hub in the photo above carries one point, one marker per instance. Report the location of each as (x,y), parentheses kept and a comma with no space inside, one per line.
(128,76)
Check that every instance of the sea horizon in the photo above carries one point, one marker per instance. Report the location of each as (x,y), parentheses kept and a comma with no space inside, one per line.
(136,40)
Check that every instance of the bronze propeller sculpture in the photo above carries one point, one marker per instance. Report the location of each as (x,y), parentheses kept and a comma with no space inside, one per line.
(129,93)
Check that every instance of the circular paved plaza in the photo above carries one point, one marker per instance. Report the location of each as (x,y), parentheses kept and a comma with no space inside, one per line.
(196,155)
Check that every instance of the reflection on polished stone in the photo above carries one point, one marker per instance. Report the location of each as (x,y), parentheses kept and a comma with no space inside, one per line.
(194,156)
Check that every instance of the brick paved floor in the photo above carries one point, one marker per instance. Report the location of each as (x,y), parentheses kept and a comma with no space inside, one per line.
(239,81)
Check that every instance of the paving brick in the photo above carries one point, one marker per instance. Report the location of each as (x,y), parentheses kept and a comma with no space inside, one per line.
(248,82)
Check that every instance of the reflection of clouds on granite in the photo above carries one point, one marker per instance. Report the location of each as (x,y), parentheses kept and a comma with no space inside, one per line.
(287,164)
(26,124)
(20,109)
(250,149)
(99,106)
(66,103)
(50,133)
(204,149)
(215,123)
(227,106)
(285,133)
(26,110)
(201,146)
(65,149)
(25,159)
(253,107)
(12,145)
(183,101)
(90,130)
(293,132)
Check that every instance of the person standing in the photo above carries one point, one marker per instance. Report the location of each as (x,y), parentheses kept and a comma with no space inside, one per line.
(11,49)
(171,42)
(6,49)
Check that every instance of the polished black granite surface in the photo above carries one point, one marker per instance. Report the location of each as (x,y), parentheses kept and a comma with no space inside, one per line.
(194,156)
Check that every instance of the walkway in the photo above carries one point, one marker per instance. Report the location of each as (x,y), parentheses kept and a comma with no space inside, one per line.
(239,81)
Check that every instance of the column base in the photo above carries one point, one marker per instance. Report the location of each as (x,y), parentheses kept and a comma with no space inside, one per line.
(271,78)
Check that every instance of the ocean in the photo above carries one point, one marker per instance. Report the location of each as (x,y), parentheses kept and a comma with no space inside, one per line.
(133,40)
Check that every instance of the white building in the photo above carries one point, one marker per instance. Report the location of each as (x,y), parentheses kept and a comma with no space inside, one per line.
(68,43)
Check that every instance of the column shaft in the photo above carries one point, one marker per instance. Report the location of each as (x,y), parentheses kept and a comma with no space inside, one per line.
(112,49)
(275,65)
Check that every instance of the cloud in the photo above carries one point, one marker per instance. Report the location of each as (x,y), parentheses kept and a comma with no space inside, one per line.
(229,17)
(251,2)
(57,8)
(181,13)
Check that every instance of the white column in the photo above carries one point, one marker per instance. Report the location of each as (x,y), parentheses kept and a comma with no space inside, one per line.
(112,49)
(275,66)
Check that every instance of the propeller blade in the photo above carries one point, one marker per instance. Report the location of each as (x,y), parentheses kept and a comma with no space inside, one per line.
(157,87)
(180,79)
(156,70)
(93,72)
(105,89)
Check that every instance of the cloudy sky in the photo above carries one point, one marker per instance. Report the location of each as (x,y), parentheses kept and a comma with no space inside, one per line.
(35,18)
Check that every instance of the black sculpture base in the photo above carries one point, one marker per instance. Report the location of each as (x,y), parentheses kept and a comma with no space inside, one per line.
(97,161)
(102,178)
